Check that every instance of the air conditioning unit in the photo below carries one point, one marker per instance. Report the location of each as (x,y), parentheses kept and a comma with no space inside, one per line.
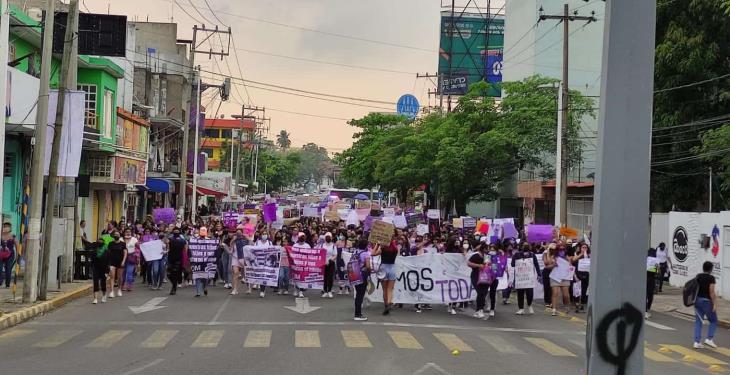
(36,14)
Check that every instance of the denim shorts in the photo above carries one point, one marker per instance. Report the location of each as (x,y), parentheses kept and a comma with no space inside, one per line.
(387,272)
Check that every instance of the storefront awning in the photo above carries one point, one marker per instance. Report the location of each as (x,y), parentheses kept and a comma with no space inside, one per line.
(160,185)
(204,191)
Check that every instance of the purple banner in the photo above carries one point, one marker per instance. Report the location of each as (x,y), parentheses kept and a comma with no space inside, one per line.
(368,223)
(230,219)
(269,212)
(165,215)
(539,233)
(509,230)
(201,162)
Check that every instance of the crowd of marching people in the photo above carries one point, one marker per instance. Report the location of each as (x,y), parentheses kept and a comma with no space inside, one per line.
(120,267)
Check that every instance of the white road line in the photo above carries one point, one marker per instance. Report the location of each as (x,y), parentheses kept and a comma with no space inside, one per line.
(145,367)
(359,324)
(220,310)
(658,326)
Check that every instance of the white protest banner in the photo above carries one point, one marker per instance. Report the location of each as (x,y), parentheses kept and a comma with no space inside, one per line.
(433,214)
(352,219)
(387,219)
(152,250)
(508,278)
(421,229)
(400,221)
(429,278)
(202,257)
(584,265)
(524,274)
(344,213)
(310,212)
(561,271)
(307,267)
(388,212)
(262,265)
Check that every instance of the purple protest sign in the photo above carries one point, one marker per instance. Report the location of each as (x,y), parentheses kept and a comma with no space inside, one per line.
(539,233)
(269,212)
(165,215)
(368,223)
(509,230)
(230,219)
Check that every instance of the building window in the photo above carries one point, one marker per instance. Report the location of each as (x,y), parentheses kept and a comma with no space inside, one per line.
(89,105)
(8,167)
(108,113)
(226,133)
(211,133)
(100,166)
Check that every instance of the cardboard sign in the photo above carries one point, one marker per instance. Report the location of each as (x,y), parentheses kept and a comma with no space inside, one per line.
(457,222)
(332,216)
(569,232)
(381,232)
(584,265)
(433,214)
(421,229)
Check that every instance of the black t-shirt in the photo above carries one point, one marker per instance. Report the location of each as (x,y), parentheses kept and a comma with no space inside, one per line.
(476,258)
(705,279)
(177,245)
(389,254)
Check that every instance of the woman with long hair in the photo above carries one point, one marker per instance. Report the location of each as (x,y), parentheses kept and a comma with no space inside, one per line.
(386,273)
(117,259)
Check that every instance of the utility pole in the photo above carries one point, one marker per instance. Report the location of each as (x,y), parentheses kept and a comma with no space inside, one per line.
(559,209)
(614,340)
(710,208)
(194,203)
(30,285)
(565,18)
(69,53)
(5,37)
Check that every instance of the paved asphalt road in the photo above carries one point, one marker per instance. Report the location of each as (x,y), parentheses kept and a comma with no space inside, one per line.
(220,334)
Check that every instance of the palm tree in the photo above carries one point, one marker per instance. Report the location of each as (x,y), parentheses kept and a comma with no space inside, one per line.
(282,139)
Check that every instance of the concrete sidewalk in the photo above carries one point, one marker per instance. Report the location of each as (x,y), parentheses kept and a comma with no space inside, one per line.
(13,311)
(670,301)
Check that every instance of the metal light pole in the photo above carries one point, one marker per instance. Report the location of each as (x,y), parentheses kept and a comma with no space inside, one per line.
(615,342)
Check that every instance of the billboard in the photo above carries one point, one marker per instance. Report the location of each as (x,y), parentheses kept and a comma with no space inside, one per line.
(470,50)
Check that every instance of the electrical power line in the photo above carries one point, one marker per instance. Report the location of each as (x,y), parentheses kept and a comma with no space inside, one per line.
(201,13)
(693,83)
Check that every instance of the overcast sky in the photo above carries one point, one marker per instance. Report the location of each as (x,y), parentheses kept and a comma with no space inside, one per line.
(404,22)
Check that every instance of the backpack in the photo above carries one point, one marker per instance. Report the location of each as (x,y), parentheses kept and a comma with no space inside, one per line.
(5,252)
(689,292)
(357,271)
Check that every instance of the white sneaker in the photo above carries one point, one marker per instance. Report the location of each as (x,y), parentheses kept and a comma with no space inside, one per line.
(647,315)
(286,292)
(491,312)
(554,313)
(340,292)
(262,295)
(280,292)
(301,294)
(95,301)
(452,311)
(234,292)
(361,318)
(103,299)
(330,295)
(479,314)
(697,345)
(119,293)
(324,295)
(711,343)
(530,310)
(347,292)
(111,295)
(520,312)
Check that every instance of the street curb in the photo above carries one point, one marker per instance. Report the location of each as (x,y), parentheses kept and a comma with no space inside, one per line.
(22,315)
(720,322)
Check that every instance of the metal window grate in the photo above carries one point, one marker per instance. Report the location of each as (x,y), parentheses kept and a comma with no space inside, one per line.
(8,167)
(100,167)
(89,105)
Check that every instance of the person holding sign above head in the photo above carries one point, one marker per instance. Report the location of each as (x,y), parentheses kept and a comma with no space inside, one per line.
(526,268)
(386,272)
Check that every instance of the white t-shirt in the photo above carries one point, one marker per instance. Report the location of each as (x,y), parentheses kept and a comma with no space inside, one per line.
(131,244)
(331,249)
(661,255)
(263,243)
(302,245)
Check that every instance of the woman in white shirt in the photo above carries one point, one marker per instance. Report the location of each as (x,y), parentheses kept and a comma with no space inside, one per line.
(263,240)
(329,267)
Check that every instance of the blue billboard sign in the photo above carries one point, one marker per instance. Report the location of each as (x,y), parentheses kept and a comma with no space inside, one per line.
(408,106)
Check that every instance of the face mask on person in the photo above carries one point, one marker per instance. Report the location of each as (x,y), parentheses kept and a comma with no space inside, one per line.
(264,238)
(465,246)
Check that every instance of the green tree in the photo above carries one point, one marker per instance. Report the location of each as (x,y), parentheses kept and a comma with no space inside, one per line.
(283,140)
(689,49)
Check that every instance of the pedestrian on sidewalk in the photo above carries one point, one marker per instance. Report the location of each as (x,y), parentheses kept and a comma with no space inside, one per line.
(8,254)
(706,307)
